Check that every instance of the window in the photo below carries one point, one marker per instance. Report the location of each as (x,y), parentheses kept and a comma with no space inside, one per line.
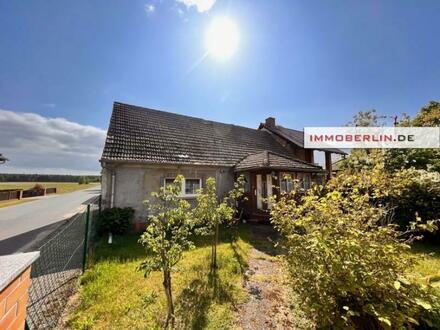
(307,182)
(247,186)
(287,181)
(304,180)
(169,182)
(189,186)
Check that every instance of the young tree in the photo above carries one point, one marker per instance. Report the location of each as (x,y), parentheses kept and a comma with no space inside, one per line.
(211,213)
(167,237)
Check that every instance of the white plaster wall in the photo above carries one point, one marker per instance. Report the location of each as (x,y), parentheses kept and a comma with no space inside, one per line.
(135,183)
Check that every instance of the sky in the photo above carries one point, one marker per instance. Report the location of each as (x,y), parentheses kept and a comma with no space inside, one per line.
(306,63)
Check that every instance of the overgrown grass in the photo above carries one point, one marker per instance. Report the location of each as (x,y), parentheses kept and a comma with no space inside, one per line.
(62,187)
(116,296)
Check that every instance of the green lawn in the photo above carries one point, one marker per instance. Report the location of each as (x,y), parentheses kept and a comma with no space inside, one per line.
(114,295)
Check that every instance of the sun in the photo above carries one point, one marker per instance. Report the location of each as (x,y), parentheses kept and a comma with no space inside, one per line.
(222,38)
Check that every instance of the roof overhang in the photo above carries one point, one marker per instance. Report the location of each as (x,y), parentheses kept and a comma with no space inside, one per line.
(146,162)
(288,169)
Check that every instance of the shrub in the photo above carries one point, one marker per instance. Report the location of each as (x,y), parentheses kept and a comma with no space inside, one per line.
(115,220)
(419,195)
(38,186)
(348,264)
(411,193)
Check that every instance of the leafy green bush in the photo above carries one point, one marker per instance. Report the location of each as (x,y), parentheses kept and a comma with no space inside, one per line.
(115,220)
(347,263)
(411,193)
(419,196)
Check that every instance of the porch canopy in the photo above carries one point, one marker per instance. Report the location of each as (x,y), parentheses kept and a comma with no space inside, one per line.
(264,177)
(268,160)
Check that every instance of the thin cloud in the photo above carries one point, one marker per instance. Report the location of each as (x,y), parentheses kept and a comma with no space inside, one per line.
(149,8)
(49,105)
(201,5)
(37,144)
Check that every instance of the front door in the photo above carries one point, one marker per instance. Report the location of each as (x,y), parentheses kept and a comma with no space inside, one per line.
(263,191)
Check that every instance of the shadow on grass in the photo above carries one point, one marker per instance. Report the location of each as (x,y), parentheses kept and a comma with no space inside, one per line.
(197,298)
(123,249)
(207,296)
(238,255)
(126,248)
(426,248)
(211,287)
(264,237)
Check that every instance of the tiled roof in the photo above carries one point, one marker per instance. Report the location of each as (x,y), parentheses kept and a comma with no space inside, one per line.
(145,135)
(295,136)
(270,160)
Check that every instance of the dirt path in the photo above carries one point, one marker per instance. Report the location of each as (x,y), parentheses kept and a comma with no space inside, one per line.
(268,306)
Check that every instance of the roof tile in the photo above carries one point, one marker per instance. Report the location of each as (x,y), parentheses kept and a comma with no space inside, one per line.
(270,160)
(146,135)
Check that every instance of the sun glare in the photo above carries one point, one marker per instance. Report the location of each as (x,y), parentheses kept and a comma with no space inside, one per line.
(222,38)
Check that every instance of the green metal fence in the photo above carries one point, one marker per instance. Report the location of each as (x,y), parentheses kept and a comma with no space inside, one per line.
(63,258)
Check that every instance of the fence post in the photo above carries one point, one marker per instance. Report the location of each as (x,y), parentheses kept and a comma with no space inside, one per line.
(86,238)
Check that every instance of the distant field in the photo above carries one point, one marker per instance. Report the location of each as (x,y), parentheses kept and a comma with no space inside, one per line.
(62,187)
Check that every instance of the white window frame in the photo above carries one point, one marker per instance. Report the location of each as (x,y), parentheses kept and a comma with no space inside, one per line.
(303,183)
(182,189)
(289,182)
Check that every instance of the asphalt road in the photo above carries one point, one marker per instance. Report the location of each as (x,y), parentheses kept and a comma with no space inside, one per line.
(25,224)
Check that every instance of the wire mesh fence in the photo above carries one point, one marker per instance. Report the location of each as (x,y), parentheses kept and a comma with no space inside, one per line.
(63,258)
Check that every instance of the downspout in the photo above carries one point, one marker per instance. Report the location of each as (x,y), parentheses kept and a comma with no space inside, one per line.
(112,196)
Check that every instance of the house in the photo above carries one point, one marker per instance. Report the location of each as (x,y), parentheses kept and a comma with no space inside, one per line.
(146,149)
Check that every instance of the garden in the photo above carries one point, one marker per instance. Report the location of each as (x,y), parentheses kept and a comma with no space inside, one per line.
(361,252)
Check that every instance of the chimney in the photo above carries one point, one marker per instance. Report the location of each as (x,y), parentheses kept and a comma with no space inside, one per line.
(270,122)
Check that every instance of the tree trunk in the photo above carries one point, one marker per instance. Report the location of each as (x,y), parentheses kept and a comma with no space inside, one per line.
(169,295)
(214,247)
(212,251)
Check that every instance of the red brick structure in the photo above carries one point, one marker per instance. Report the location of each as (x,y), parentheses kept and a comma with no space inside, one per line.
(14,283)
